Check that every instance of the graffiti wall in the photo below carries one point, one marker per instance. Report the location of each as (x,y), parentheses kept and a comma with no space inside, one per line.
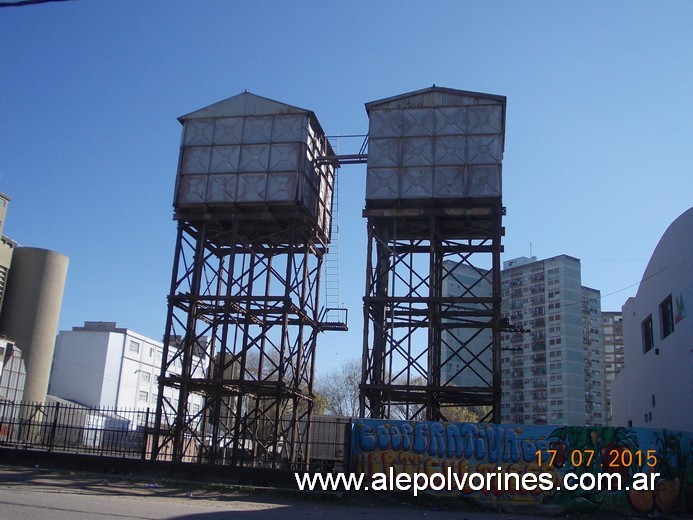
(633,470)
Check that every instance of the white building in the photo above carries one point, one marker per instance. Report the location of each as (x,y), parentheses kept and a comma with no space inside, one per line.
(655,387)
(102,365)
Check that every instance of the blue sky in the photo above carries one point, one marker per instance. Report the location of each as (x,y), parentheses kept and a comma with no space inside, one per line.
(597,161)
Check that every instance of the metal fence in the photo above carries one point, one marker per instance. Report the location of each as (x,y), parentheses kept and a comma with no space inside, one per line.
(71,428)
(75,429)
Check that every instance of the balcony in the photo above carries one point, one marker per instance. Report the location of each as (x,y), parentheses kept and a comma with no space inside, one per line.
(539,358)
(538,346)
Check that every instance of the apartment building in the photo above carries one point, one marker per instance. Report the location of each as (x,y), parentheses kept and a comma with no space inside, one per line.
(613,352)
(552,361)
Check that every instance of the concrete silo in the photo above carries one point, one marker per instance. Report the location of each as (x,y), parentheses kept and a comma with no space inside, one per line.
(31,310)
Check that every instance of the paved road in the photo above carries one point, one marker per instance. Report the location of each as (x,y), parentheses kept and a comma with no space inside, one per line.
(34,494)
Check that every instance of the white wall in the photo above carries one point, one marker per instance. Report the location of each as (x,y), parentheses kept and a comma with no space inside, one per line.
(111,370)
(666,371)
(78,366)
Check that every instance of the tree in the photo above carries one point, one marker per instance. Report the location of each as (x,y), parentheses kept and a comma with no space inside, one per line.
(319,403)
(469,414)
(337,393)
(340,389)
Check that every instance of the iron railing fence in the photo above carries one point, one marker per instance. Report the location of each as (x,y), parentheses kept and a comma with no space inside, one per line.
(75,429)
(125,433)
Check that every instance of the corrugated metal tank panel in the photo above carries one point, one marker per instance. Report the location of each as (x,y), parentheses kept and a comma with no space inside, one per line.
(251,151)
(435,144)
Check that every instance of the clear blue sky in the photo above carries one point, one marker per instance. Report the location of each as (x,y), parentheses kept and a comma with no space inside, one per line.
(598,147)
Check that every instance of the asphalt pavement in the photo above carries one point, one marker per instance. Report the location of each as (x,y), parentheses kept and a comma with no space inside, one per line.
(42,494)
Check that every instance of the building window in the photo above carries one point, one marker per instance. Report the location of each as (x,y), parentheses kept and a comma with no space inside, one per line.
(146,377)
(134,346)
(143,396)
(647,334)
(666,313)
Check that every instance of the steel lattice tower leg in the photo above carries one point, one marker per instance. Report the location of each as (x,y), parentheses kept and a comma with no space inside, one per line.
(236,383)
(431,315)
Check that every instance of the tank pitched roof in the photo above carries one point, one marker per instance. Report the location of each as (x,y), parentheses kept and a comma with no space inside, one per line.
(244,104)
(432,96)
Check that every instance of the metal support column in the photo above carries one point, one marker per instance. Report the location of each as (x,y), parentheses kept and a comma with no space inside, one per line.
(432,315)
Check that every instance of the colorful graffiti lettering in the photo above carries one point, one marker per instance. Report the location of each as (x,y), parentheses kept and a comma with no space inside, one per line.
(464,448)
(490,443)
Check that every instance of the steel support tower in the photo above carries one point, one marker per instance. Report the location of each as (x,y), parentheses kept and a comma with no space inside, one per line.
(410,324)
(243,308)
(433,210)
